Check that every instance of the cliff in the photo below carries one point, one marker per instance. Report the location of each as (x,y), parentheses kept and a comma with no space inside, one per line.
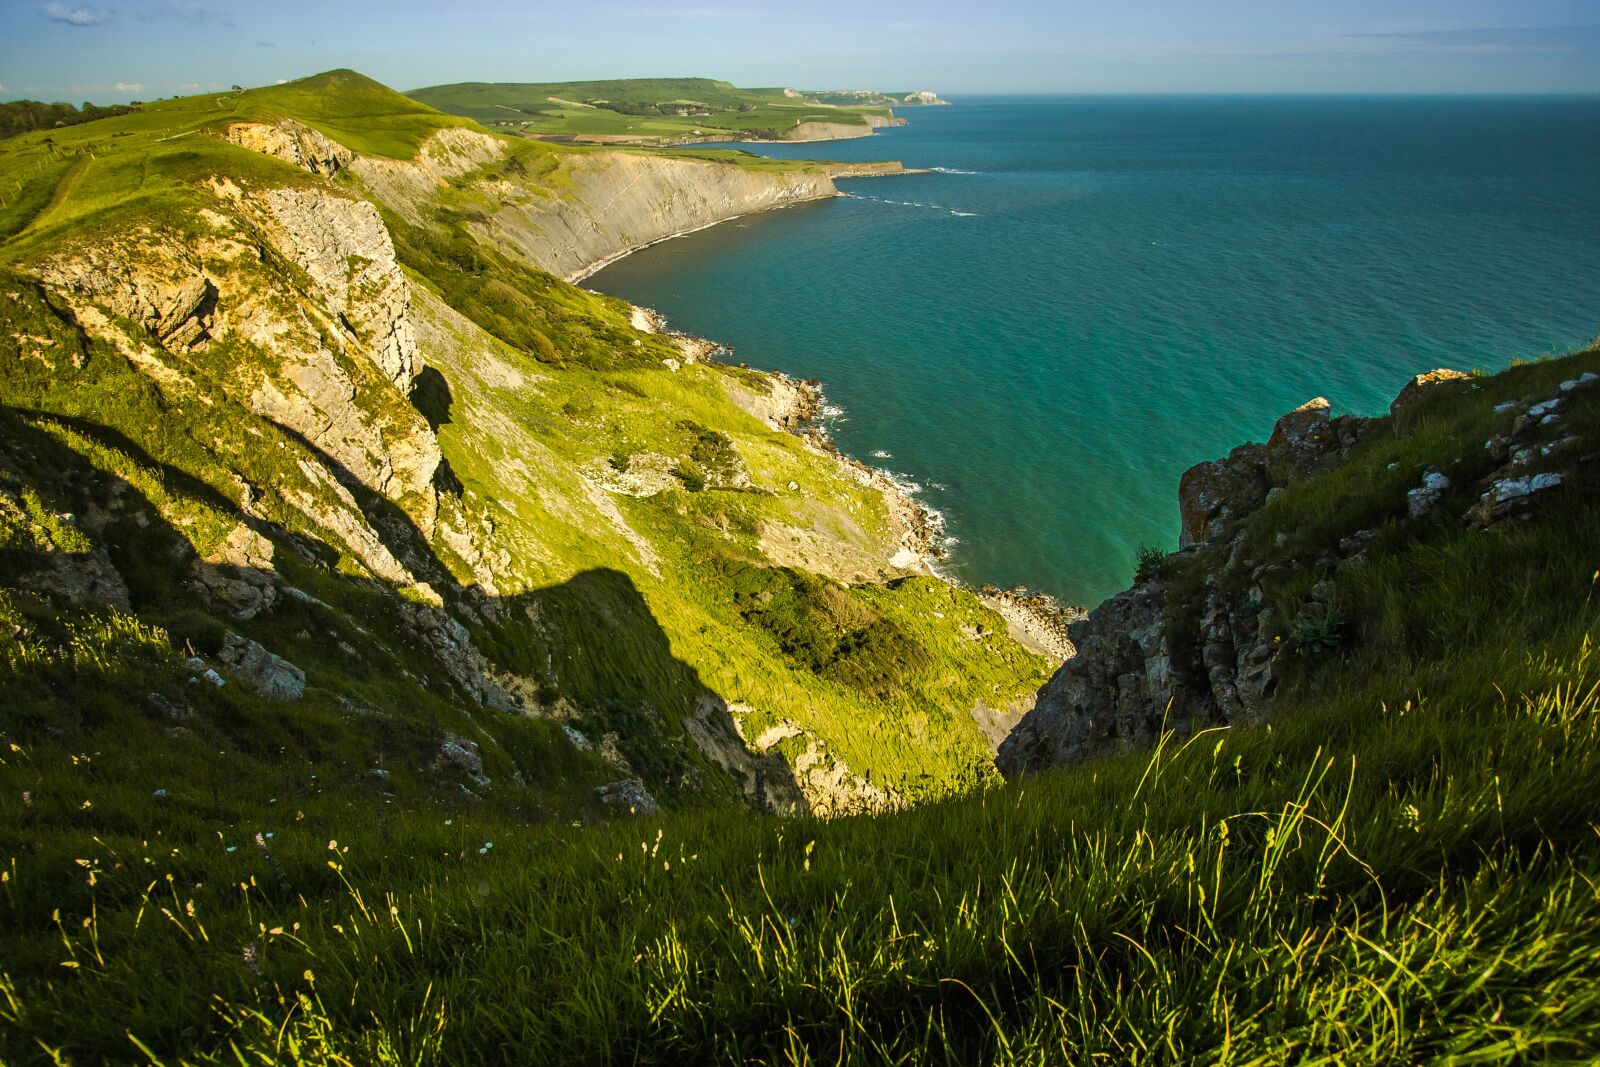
(384,621)
(1275,537)
(614,202)
(569,213)
(324,421)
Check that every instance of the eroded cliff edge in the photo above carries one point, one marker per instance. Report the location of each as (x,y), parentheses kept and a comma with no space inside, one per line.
(573,212)
(1279,540)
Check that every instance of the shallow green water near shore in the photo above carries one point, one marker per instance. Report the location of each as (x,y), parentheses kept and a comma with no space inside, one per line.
(1095,293)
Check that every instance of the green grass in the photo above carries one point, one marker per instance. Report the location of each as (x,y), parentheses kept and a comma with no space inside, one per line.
(1398,866)
(1401,868)
(601,390)
(642,109)
(154,162)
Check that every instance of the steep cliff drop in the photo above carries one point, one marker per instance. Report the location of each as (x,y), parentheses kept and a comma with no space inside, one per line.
(1205,636)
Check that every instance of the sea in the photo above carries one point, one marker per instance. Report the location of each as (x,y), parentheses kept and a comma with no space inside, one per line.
(1085,295)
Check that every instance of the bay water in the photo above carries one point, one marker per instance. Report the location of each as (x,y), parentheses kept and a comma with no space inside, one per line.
(1086,295)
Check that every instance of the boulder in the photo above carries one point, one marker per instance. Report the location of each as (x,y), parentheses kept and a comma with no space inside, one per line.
(270,676)
(1511,498)
(629,795)
(1412,391)
(463,755)
(237,577)
(1426,497)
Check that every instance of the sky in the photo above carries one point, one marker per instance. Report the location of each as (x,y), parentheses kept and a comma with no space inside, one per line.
(110,51)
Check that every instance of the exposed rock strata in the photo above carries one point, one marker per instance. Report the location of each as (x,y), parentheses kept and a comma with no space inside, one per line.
(1125,680)
(294,143)
(1215,655)
(615,202)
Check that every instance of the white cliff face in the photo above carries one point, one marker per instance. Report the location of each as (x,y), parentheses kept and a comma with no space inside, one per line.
(293,143)
(345,248)
(328,349)
(589,208)
(614,202)
(162,287)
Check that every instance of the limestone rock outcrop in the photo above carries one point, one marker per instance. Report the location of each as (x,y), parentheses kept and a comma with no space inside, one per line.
(1420,384)
(162,288)
(294,143)
(1213,652)
(1214,494)
(345,248)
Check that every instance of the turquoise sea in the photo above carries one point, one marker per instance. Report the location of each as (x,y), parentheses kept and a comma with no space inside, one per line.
(1094,293)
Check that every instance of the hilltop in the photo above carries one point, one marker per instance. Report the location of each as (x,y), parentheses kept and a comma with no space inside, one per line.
(667,110)
(412,657)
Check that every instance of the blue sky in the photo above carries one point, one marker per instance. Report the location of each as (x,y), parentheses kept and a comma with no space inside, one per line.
(114,50)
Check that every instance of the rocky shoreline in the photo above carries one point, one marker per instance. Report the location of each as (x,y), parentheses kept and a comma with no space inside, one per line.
(798,405)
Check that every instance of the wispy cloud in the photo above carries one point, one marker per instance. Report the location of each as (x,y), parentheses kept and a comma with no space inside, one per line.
(1497,39)
(129,87)
(74,16)
(191,11)
(266,44)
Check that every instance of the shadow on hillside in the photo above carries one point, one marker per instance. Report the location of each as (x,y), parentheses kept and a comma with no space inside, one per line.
(591,646)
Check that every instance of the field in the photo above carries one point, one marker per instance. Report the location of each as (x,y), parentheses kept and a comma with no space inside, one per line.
(648,110)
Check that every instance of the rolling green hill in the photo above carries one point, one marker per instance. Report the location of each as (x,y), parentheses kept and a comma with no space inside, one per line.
(650,110)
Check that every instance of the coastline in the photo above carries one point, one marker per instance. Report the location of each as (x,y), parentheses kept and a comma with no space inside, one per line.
(888,169)
(1036,620)
(580,276)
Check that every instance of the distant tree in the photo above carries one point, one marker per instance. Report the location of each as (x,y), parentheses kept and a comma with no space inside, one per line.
(26,116)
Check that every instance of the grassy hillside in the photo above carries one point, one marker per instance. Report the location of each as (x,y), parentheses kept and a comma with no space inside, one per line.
(1400,865)
(624,612)
(643,109)
(157,158)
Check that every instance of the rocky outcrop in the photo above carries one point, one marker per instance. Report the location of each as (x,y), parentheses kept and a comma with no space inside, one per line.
(1110,694)
(308,278)
(1413,390)
(294,143)
(344,247)
(451,647)
(1213,495)
(838,131)
(464,757)
(1126,679)
(51,556)
(162,288)
(628,795)
(783,768)
(237,578)
(271,676)
(1212,648)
